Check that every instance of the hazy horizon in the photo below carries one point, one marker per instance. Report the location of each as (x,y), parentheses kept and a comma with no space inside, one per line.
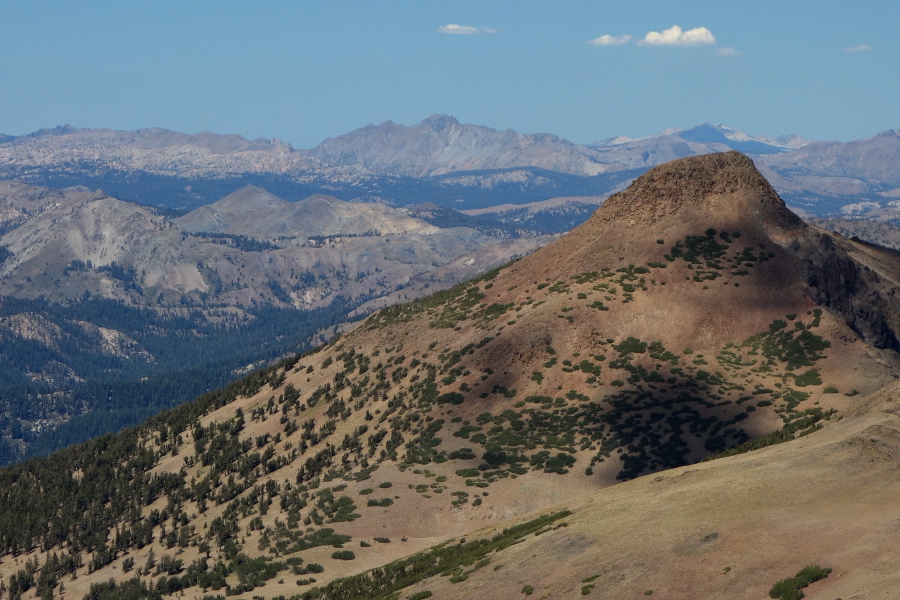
(304,72)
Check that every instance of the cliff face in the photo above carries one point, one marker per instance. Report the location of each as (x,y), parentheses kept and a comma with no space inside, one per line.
(857,281)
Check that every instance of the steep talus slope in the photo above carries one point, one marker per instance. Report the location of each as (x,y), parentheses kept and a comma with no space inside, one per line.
(681,320)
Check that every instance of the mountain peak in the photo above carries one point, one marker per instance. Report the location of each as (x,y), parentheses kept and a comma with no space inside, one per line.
(251,197)
(439,122)
(724,185)
(53,131)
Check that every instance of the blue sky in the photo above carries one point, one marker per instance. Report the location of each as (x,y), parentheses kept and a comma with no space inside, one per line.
(304,71)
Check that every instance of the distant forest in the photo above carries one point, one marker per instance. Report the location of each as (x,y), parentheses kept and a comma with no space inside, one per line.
(190,357)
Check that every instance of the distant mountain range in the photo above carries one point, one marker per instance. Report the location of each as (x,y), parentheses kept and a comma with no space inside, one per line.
(440,161)
(440,145)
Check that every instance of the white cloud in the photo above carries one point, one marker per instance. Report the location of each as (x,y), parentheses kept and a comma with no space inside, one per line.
(610,40)
(454,29)
(675,36)
(727,52)
(860,48)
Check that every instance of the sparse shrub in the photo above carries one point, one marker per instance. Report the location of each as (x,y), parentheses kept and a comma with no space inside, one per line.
(792,587)
(527,590)
(631,345)
(451,398)
(462,454)
(382,502)
(810,377)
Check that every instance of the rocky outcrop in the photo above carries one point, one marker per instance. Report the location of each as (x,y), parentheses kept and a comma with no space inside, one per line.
(856,292)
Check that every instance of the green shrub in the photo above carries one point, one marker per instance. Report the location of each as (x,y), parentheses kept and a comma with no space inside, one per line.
(381,502)
(631,345)
(343,555)
(810,377)
(792,587)
(527,590)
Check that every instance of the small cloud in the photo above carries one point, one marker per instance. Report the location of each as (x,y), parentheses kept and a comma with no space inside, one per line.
(675,36)
(860,48)
(610,40)
(727,52)
(454,29)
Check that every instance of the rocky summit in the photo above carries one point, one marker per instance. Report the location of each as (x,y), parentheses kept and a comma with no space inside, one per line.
(540,429)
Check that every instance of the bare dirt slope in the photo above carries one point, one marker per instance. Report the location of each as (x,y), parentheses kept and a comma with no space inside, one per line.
(729,528)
